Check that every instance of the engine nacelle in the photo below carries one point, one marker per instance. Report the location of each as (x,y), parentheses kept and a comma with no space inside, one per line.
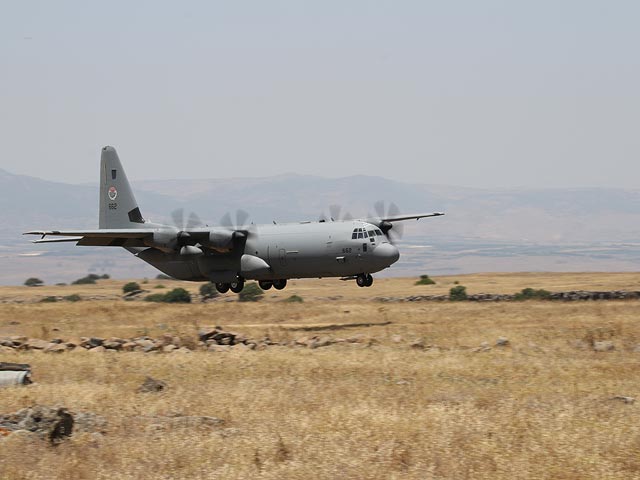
(164,241)
(220,239)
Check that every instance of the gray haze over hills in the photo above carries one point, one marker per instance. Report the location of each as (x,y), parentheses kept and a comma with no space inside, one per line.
(578,229)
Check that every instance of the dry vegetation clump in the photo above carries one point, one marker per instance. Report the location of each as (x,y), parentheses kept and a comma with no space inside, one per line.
(423,399)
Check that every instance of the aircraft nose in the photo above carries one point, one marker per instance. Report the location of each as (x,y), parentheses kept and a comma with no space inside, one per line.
(387,252)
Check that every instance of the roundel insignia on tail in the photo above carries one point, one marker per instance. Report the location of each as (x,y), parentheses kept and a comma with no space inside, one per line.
(113,193)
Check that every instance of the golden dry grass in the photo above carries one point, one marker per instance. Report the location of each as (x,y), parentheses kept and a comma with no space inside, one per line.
(540,408)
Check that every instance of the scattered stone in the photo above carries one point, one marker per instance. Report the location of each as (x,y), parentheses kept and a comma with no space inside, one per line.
(417,344)
(151,385)
(36,344)
(56,348)
(603,346)
(397,338)
(484,347)
(99,349)
(219,348)
(53,424)
(627,400)
(502,342)
(95,342)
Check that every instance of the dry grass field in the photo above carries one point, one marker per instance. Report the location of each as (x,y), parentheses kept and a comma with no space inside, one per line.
(540,408)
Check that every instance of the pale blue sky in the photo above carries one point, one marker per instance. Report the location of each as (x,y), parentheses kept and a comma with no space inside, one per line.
(476,93)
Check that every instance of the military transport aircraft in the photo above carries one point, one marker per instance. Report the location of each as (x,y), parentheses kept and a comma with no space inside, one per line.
(231,253)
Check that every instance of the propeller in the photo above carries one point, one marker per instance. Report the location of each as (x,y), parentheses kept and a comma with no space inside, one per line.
(184,242)
(392,231)
(335,215)
(240,228)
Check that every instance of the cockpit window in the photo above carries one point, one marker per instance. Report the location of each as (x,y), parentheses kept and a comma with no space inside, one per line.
(360,235)
(371,233)
(378,232)
(354,235)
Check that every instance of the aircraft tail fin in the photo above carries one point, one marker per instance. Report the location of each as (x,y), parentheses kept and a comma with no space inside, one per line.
(118,206)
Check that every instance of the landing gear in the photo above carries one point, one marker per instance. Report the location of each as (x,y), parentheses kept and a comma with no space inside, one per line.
(237,286)
(280,284)
(364,280)
(266,285)
(222,287)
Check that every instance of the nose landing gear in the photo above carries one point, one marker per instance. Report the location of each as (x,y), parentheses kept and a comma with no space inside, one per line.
(364,280)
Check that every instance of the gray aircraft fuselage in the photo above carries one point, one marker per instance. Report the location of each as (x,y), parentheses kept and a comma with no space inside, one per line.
(304,250)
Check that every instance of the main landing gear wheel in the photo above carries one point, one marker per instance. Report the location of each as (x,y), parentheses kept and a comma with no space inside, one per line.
(266,285)
(369,280)
(280,284)
(237,286)
(364,280)
(222,287)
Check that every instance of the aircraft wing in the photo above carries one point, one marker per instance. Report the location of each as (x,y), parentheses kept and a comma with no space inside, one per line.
(101,237)
(417,216)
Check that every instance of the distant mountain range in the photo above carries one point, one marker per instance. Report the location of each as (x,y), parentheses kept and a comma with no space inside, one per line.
(475,218)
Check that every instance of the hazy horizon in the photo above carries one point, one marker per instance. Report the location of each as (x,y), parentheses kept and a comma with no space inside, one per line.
(486,95)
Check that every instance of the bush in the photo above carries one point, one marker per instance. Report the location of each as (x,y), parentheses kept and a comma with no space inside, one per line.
(155,297)
(49,300)
(177,295)
(531,293)
(250,293)
(208,290)
(105,277)
(33,282)
(294,299)
(131,287)
(457,294)
(425,280)
(72,298)
(88,280)
(159,286)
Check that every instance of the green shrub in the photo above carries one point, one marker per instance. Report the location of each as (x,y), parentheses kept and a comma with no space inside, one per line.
(61,284)
(425,280)
(250,293)
(49,300)
(159,286)
(531,293)
(208,290)
(155,297)
(33,282)
(88,280)
(105,277)
(177,295)
(294,299)
(131,287)
(74,297)
(457,294)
